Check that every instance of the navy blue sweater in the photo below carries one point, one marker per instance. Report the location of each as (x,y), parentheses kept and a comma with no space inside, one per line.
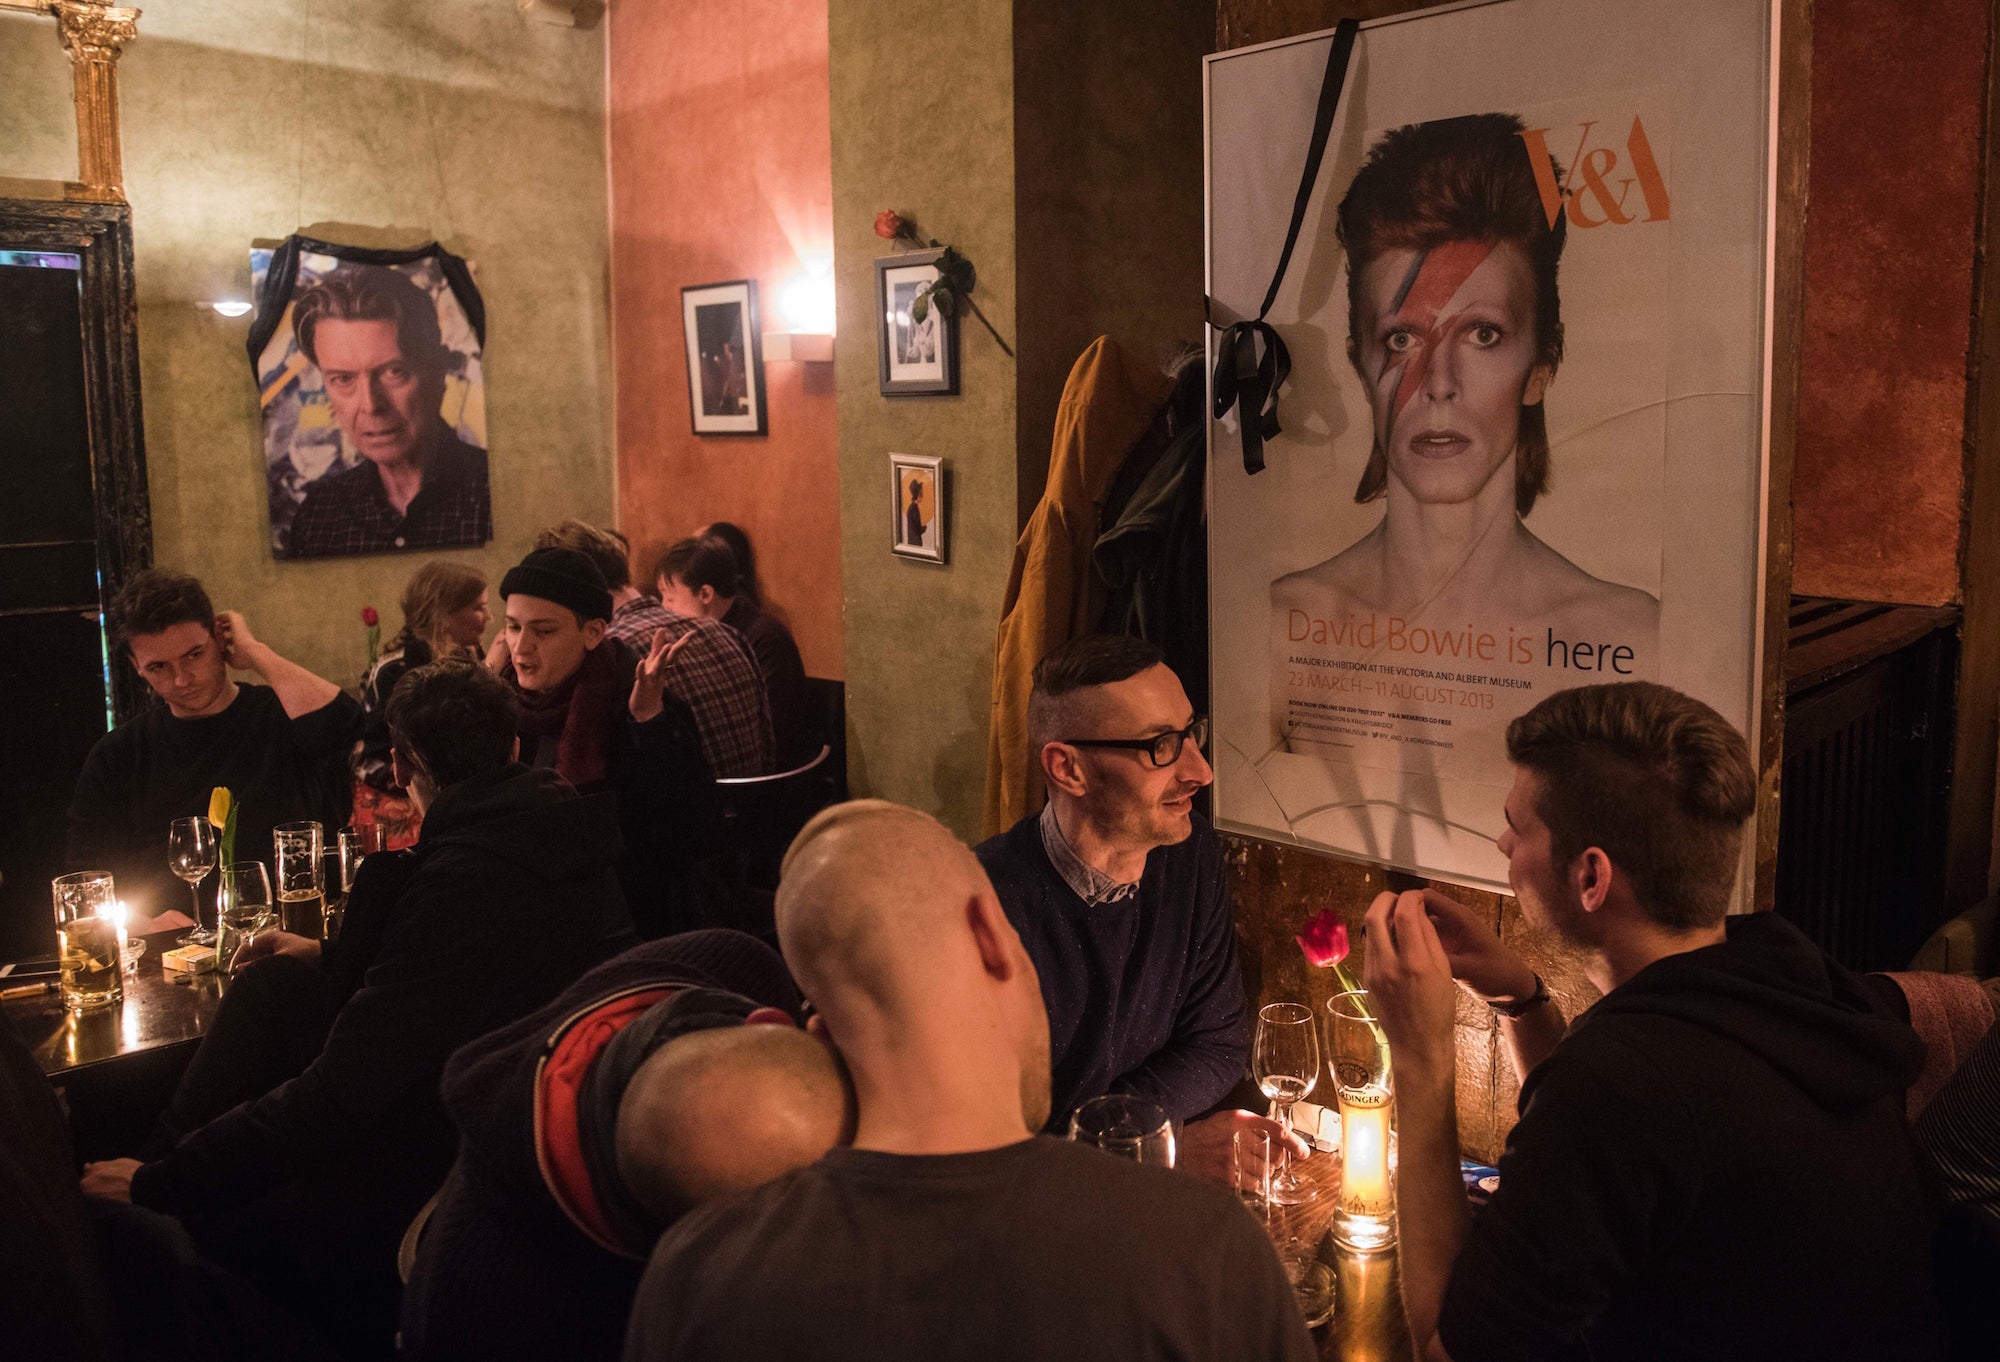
(1144,995)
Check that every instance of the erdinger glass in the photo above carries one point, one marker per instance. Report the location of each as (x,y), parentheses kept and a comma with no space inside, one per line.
(301,878)
(1129,1127)
(1366,1216)
(87,940)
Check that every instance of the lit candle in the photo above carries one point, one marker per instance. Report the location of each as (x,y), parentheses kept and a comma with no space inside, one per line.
(1364,1142)
(117,916)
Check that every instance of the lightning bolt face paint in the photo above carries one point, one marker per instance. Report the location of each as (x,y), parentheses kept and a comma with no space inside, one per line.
(1447,345)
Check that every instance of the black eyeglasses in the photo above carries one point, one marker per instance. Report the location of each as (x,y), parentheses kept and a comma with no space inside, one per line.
(1162,749)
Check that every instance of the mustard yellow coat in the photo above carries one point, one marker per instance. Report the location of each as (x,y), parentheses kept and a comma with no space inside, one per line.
(1107,404)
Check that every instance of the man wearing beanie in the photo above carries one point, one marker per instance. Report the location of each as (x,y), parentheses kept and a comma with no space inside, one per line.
(668,1077)
(604,720)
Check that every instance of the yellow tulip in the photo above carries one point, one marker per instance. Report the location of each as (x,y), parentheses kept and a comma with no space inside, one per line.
(218,806)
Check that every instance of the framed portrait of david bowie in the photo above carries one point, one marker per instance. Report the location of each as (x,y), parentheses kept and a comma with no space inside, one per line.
(916,507)
(725,358)
(370,371)
(1523,443)
(916,342)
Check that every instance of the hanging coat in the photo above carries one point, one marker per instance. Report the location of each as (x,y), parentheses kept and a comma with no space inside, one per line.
(1107,404)
(1151,559)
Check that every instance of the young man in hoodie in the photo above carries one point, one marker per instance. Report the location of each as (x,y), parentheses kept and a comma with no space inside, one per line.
(304,1182)
(1712,1160)
(667,1077)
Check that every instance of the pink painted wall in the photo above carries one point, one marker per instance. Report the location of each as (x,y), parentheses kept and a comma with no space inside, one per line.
(722,168)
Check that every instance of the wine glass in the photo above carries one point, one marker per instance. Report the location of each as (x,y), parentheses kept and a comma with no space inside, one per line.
(243,906)
(191,855)
(1129,1127)
(1285,1059)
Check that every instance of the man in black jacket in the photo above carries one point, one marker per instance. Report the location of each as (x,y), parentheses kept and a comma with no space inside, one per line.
(280,747)
(1710,1162)
(508,897)
(666,1077)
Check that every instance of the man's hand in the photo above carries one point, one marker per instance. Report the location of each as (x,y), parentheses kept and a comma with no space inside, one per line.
(240,648)
(1478,960)
(111,1179)
(1207,1145)
(273,943)
(498,654)
(299,691)
(651,679)
(1408,977)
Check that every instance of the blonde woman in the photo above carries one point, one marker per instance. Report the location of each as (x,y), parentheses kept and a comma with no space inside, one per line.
(444,615)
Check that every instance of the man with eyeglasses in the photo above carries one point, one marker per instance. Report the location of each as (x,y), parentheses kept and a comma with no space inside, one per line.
(1117,890)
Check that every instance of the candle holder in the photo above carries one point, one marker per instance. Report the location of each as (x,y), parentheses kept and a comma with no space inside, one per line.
(1359,1059)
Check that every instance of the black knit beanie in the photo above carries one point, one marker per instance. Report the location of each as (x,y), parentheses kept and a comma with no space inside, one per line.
(563,576)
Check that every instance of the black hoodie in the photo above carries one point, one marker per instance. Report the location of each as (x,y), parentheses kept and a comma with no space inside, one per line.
(508,896)
(508,1270)
(1713,1164)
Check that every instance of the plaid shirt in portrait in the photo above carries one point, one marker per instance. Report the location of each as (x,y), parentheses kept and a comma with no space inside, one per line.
(716,676)
(347,512)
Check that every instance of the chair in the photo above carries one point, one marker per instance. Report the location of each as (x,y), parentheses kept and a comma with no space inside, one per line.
(760,817)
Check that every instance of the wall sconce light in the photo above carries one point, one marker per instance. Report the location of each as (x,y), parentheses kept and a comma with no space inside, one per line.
(806,304)
(232,307)
(564,13)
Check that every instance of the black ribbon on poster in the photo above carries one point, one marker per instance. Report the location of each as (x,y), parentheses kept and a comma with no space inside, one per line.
(284,272)
(1251,361)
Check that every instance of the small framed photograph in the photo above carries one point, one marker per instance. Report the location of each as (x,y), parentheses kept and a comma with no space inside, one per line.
(916,356)
(916,506)
(725,358)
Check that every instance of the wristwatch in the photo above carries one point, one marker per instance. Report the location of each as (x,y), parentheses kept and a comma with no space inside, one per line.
(1521,1007)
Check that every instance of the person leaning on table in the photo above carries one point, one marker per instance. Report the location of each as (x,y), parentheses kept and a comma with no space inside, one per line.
(1710,1162)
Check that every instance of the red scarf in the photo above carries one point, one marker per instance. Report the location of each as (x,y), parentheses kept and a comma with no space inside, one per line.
(583,715)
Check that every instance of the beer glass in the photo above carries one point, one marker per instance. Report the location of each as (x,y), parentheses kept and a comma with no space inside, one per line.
(87,940)
(1252,1162)
(301,878)
(1130,1127)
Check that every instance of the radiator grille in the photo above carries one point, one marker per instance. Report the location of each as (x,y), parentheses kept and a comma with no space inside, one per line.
(1866,776)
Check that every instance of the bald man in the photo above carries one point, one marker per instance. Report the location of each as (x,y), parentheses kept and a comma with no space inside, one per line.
(949,1229)
(670,1076)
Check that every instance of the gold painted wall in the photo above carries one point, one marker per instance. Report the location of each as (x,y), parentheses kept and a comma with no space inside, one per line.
(244,119)
(1059,147)
(1107,141)
(923,122)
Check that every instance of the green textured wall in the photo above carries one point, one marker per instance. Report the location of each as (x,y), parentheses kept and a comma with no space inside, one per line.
(923,123)
(380,122)
(1107,138)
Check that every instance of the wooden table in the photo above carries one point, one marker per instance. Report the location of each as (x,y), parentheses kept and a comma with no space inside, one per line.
(1367,1324)
(160,1011)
